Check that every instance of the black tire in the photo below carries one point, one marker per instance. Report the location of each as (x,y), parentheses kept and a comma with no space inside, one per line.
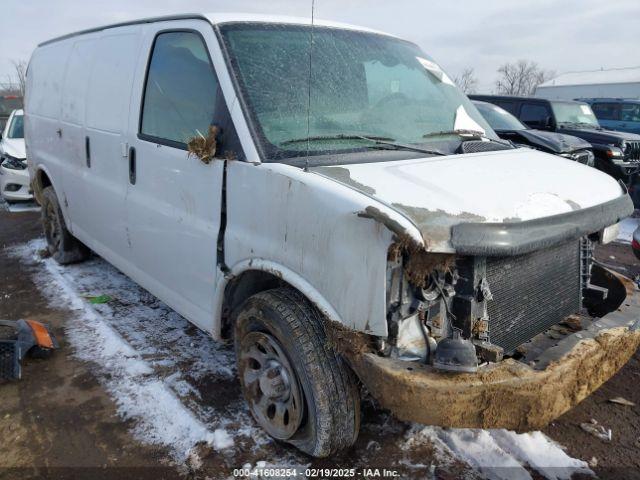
(330,395)
(63,247)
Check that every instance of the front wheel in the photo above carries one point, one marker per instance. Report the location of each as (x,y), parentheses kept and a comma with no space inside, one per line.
(63,247)
(297,388)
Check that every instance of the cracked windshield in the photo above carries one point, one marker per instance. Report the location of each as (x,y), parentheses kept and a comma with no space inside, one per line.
(319,90)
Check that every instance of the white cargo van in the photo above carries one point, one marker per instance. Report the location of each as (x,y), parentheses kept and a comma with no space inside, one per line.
(327,197)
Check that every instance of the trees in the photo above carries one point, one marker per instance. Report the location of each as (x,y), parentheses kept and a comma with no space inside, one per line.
(466,81)
(15,83)
(521,78)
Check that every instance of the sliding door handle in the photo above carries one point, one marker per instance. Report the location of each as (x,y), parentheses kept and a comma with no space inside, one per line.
(132,165)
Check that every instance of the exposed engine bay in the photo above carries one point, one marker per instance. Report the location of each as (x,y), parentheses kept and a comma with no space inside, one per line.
(470,310)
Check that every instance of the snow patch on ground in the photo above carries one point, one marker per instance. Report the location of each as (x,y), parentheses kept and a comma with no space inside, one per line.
(161,418)
(627,227)
(177,385)
(502,454)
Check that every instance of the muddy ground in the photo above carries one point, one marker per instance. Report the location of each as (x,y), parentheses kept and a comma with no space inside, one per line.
(60,422)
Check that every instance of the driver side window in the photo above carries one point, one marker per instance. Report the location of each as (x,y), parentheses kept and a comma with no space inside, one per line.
(534,115)
(180,91)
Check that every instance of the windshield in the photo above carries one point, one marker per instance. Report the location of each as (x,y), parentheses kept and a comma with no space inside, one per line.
(316,101)
(16,129)
(499,118)
(574,113)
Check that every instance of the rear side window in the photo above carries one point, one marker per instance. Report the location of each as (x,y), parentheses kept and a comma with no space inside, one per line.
(180,91)
(606,111)
(532,113)
(511,107)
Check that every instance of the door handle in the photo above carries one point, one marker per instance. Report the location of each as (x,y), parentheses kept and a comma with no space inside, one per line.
(87,151)
(132,165)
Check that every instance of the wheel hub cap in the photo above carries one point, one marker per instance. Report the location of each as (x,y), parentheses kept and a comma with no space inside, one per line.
(274,381)
(270,385)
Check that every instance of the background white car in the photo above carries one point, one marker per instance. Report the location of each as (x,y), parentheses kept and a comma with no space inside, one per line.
(14,176)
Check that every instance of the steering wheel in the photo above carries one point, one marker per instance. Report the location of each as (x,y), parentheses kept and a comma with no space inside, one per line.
(398,98)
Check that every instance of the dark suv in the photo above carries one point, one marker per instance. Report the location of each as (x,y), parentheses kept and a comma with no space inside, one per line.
(616,153)
(510,128)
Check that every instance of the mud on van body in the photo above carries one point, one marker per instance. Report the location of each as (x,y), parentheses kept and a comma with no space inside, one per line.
(349,219)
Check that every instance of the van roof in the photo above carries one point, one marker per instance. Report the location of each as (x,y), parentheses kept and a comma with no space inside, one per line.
(220,18)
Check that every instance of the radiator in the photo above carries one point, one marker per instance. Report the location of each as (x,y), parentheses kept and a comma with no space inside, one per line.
(532,292)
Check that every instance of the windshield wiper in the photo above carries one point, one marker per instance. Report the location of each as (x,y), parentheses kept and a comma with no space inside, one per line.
(339,136)
(461,132)
(377,140)
(579,124)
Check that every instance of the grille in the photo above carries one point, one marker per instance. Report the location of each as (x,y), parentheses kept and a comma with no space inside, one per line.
(632,151)
(532,292)
(471,146)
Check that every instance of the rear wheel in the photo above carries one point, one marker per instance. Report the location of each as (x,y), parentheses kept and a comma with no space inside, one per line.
(63,247)
(297,388)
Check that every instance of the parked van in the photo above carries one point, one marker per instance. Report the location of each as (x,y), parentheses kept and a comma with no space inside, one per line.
(350,220)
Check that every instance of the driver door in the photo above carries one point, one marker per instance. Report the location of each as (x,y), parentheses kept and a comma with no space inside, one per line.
(173,198)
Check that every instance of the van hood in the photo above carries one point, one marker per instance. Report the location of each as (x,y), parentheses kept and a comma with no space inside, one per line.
(502,187)
(14,147)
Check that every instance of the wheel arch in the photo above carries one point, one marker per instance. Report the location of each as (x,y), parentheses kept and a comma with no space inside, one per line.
(252,276)
(41,180)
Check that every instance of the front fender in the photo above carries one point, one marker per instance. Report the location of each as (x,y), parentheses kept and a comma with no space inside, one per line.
(280,271)
(311,231)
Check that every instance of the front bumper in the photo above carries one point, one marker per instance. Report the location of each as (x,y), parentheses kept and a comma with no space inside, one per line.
(15,184)
(511,394)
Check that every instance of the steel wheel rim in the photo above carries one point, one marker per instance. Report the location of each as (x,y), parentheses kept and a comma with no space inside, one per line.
(270,385)
(52,227)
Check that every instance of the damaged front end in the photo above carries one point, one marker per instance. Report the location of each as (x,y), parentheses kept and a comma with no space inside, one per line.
(502,339)
(438,311)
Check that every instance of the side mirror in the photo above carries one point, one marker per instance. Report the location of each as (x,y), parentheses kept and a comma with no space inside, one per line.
(549,123)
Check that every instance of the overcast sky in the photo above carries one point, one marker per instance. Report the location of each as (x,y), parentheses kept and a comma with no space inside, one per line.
(559,35)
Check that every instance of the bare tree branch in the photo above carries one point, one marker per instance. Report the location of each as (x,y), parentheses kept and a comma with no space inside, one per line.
(15,84)
(521,78)
(466,81)
(20,73)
